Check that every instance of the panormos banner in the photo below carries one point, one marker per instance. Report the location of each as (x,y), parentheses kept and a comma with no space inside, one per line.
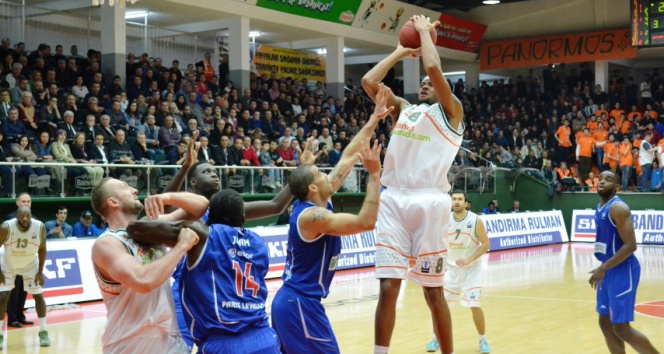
(457,33)
(288,62)
(648,226)
(339,11)
(517,230)
(557,49)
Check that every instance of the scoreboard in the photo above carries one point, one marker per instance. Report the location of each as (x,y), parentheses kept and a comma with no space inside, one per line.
(647,23)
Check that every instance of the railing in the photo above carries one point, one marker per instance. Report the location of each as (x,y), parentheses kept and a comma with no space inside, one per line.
(153,178)
(245,179)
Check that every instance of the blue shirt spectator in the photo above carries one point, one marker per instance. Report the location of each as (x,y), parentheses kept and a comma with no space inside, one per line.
(58,228)
(85,227)
(491,209)
(335,154)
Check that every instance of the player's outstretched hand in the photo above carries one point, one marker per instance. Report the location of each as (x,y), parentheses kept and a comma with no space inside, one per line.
(307,156)
(187,238)
(154,206)
(192,151)
(39,279)
(370,157)
(382,97)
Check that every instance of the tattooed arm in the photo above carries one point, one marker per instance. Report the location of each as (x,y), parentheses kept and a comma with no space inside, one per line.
(350,154)
(316,221)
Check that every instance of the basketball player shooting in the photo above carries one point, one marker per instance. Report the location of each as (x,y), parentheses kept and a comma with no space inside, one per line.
(415,208)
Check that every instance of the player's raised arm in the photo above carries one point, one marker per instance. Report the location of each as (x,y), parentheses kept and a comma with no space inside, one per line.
(317,221)
(167,233)
(373,79)
(277,205)
(431,61)
(114,263)
(350,154)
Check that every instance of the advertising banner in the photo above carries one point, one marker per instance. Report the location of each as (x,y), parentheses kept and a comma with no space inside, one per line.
(289,62)
(339,11)
(356,251)
(648,226)
(457,33)
(517,230)
(571,48)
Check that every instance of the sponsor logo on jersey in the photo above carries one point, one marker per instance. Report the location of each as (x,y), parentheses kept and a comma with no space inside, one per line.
(425,267)
(62,273)
(232,252)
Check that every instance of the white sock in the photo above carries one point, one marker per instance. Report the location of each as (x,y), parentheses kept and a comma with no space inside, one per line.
(42,323)
(434,337)
(380,349)
(482,337)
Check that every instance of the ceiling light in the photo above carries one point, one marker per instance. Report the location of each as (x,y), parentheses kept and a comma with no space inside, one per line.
(112,2)
(491,2)
(254,34)
(139,14)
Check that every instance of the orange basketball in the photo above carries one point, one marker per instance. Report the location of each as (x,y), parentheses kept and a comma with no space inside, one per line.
(410,38)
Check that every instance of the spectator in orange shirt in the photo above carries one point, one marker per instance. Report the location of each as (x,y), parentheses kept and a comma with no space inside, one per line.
(625,126)
(637,139)
(584,153)
(593,124)
(611,153)
(563,136)
(636,166)
(591,182)
(600,137)
(601,111)
(635,114)
(617,113)
(626,161)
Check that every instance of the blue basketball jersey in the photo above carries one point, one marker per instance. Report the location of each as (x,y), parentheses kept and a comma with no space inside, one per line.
(607,240)
(225,292)
(310,265)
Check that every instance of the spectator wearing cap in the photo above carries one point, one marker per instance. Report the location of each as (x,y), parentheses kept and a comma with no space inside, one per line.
(58,228)
(85,227)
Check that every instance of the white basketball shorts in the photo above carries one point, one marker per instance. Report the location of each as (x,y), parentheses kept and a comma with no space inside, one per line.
(464,285)
(412,225)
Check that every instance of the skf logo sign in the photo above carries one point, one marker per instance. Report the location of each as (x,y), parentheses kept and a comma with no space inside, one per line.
(62,274)
(584,226)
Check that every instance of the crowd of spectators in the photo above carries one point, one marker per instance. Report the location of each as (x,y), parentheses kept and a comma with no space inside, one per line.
(59,108)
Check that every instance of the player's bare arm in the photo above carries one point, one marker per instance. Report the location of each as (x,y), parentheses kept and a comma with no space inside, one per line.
(316,221)
(622,218)
(39,277)
(480,232)
(191,206)
(167,233)
(277,205)
(431,61)
(373,79)
(4,233)
(115,263)
(350,154)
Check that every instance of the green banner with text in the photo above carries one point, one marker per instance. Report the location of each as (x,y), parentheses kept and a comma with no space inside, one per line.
(339,11)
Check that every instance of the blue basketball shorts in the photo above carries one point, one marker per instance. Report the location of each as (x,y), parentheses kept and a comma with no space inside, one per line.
(616,294)
(301,324)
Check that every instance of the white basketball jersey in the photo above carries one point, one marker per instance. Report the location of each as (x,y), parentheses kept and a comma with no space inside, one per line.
(22,248)
(421,150)
(130,312)
(461,237)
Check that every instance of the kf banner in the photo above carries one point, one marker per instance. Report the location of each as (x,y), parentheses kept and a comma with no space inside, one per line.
(518,230)
(357,251)
(648,226)
(289,63)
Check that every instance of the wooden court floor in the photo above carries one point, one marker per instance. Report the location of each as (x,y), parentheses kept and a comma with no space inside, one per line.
(536,300)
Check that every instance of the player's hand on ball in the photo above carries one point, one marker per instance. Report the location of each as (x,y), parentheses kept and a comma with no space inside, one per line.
(370,157)
(187,238)
(423,23)
(409,52)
